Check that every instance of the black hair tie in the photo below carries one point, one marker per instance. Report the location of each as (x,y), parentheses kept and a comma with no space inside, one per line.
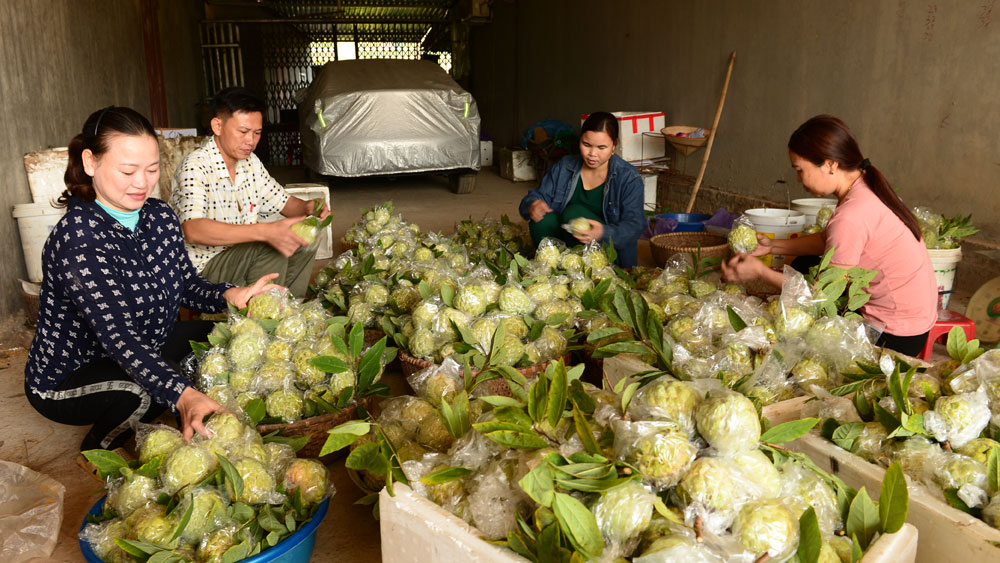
(864,165)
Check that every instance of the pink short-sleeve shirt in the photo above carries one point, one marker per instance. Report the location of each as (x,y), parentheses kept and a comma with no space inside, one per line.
(866,233)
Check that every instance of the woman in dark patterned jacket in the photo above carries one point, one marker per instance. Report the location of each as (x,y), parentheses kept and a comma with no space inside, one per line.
(115,275)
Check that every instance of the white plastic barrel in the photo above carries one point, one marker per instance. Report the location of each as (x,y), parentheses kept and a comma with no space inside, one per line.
(777,224)
(810,206)
(945,262)
(35,221)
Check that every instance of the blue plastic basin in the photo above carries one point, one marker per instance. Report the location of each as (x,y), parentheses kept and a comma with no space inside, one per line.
(296,548)
(687,222)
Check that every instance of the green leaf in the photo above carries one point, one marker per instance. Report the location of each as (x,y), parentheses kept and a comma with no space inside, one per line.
(584,432)
(371,365)
(845,435)
(344,435)
(501,401)
(579,525)
(356,339)
(447,294)
(538,395)
(956,343)
(856,550)
(993,470)
(628,393)
(556,319)
(810,540)
(789,431)
(538,484)
(329,364)
(625,347)
(151,468)
(256,410)
(894,500)
(951,495)
(238,552)
(665,512)
(368,457)
(425,290)
(106,461)
(139,549)
(548,543)
(735,320)
(183,522)
(558,389)
(455,415)
(886,418)
(603,333)
(241,512)
(522,439)
(862,518)
(232,475)
(445,475)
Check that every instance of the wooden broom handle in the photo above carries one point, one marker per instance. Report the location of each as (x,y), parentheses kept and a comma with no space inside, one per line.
(711,135)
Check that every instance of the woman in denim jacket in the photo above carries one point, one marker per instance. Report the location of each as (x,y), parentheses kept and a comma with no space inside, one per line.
(596,185)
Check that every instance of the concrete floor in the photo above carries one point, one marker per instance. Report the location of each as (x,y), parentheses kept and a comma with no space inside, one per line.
(349,533)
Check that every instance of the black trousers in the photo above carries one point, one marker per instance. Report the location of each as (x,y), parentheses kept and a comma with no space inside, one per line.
(101,394)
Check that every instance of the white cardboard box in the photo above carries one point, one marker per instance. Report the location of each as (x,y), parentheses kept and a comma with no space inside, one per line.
(312,191)
(515,165)
(486,153)
(632,144)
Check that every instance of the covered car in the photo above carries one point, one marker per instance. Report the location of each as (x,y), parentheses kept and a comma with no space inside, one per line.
(374,117)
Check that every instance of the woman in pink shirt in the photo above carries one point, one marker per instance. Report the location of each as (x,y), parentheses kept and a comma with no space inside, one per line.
(871,228)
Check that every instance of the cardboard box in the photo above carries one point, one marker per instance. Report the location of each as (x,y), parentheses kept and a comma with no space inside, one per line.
(515,165)
(486,153)
(632,143)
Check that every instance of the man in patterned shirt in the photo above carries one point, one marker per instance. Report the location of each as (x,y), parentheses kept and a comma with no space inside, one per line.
(220,192)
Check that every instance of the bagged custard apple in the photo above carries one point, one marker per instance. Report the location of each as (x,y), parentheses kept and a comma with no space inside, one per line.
(743,236)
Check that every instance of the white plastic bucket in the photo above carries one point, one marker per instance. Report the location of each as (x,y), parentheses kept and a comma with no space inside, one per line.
(35,221)
(777,224)
(945,262)
(810,206)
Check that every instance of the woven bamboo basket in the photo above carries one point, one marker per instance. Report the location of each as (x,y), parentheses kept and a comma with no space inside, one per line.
(686,145)
(666,245)
(373,335)
(316,427)
(345,245)
(412,365)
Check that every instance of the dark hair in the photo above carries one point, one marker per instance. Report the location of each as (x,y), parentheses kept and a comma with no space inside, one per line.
(826,137)
(235,98)
(96,135)
(601,122)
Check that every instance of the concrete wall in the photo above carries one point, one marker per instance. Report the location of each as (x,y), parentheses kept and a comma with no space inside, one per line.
(915,80)
(62,60)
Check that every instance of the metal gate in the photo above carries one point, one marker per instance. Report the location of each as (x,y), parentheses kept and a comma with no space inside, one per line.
(222,59)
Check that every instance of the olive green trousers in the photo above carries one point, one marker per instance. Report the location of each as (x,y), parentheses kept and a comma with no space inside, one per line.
(243,264)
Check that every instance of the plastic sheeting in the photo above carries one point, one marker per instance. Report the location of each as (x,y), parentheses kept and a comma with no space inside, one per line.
(31,509)
(363,118)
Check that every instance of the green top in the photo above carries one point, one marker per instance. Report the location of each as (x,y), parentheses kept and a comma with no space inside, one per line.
(585,203)
(128,219)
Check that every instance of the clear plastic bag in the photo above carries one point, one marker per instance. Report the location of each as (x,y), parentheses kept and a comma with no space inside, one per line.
(494,501)
(438,382)
(622,513)
(802,488)
(660,450)
(714,489)
(743,236)
(101,538)
(31,513)
(156,439)
(310,478)
(958,418)
(666,399)
(728,421)
(767,526)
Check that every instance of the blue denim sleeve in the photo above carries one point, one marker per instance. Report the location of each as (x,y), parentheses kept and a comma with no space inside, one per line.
(632,220)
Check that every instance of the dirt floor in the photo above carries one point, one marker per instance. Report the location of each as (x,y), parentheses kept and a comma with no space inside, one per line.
(349,534)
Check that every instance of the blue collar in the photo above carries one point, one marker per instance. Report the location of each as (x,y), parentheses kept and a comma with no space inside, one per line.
(128,219)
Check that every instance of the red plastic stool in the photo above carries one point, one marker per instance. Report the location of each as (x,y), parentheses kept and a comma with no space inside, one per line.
(946,320)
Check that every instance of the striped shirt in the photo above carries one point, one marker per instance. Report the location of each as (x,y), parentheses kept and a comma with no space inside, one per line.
(202,189)
(111,292)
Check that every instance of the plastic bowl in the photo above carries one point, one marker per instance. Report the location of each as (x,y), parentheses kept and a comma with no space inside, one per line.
(296,548)
(687,222)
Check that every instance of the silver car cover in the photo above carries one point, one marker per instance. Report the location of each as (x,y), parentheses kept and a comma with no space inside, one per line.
(368,117)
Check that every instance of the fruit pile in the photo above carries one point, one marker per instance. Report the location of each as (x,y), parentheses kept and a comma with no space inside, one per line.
(216,499)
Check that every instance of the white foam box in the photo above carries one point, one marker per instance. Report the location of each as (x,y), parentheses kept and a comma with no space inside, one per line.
(175,132)
(486,153)
(312,191)
(515,165)
(415,530)
(45,169)
(632,144)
